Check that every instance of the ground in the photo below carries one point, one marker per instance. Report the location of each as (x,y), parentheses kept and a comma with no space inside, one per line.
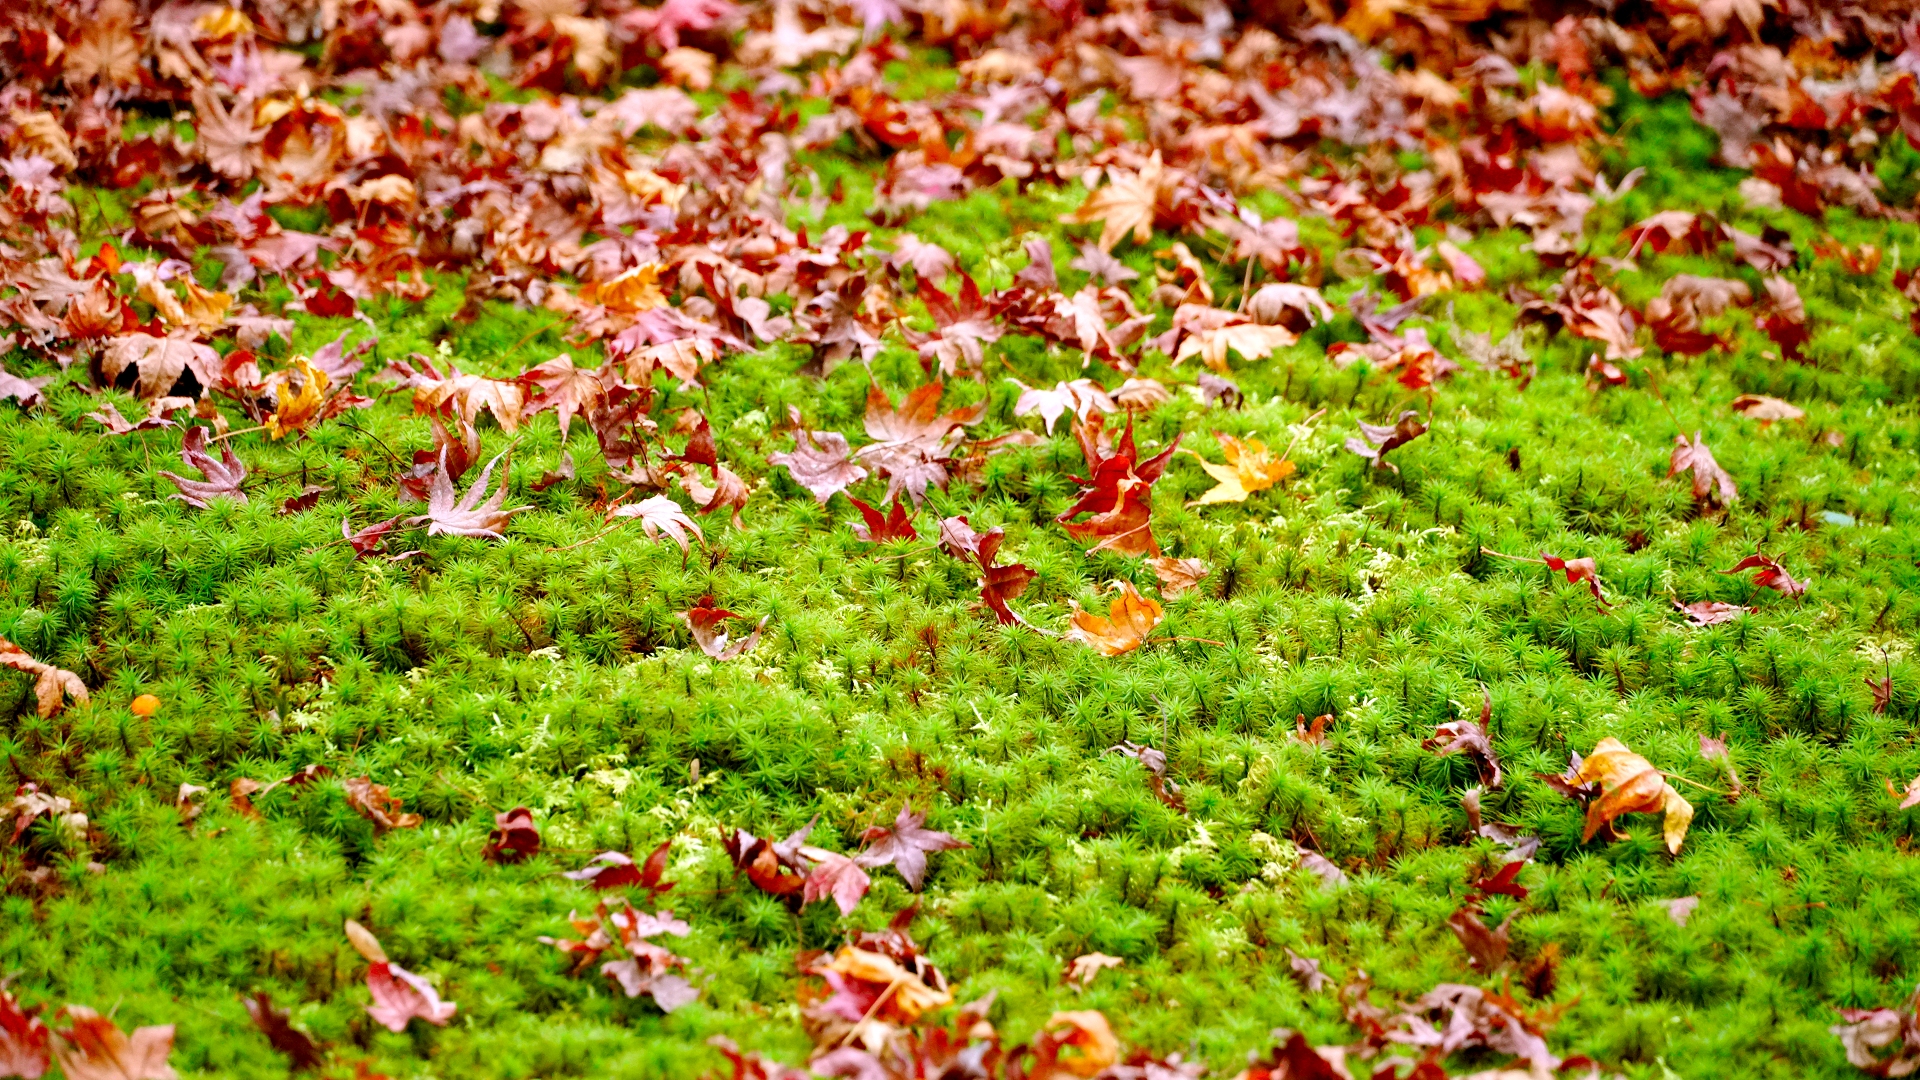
(550,669)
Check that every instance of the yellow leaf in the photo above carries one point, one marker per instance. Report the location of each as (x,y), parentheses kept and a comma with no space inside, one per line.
(1250,467)
(1629,784)
(1087,1032)
(632,292)
(1125,626)
(296,408)
(1124,205)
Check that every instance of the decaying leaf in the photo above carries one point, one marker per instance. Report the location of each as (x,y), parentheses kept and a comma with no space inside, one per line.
(1082,969)
(1177,576)
(375,803)
(905,845)
(514,839)
(659,514)
(1470,738)
(1769,574)
(1376,441)
(51,685)
(92,1047)
(223,478)
(1713,488)
(704,620)
(1629,784)
(26,1046)
(303,1054)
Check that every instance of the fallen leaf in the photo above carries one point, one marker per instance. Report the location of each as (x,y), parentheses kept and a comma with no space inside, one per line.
(834,876)
(1470,738)
(1709,612)
(1177,576)
(1124,628)
(820,462)
(514,837)
(223,478)
(51,685)
(400,996)
(659,514)
(303,1054)
(1769,574)
(1766,409)
(1155,762)
(373,802)
(1681,910)
(1486,947)
(877,528)
(1909,798)
(158,364)
(93,1048)
(1629,784)
(1307,973)
(1712,486)
(1578,571)
(26,1047)
(905,846)
(1082,969)
(704,620)
(1250,468)
(1376,441)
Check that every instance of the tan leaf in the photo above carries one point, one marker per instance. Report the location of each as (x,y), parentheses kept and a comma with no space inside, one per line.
(95,1048)
(1766,409)
(1124,206)
(1177,575)
(1082,969)
(159,361)
(1253,341)
(1629,784)
(40,133)
(50,682)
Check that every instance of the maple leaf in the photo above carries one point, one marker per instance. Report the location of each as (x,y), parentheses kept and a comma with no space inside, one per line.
(659,514)
(26,1047)
(1769,574)
(1470,738)
(1710,612)
(223,477)
(1712,486)
(836,877)
(1250,467)
(704,620)
(514,837)
(1504,882)
(613,869)
(1095,260)
(1177,576)
(1376,441)
(905,846)
(1629,784)
(727,490)
(1486,948)
(1081,969)
(1155,762)
(400,996)
(152,366)
(1578,571)
(1253,341)
(999,585)
(94,1048)
(566,389)
(1909,798)
(1882,690)
(374,802)
(1868,1034)
(776,867)
(1125,626)
(877,528)
(1125,205)
(27,391)
(1087,1034)
(1081,397)
(1766,409)
(963,328)
(369,540)
(930,262)
(820,462)
(457,393)
(303,1054)
(51,684)
(915,439)
(468,516)
(1784,318)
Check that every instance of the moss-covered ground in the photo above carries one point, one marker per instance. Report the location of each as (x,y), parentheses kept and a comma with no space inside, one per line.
(551,673)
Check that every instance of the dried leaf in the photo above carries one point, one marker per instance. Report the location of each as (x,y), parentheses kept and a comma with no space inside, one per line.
(1629,784)
(26,1047)
(223,478)
(1712,486)
(514,837)
(820,462)
(303,1054)
(1250,468)
(905,846)
(659,514)
(1177,576)
(1124,628)
(1376,441)
(374,802)
(1769,574)
(51,684)
(92,1047)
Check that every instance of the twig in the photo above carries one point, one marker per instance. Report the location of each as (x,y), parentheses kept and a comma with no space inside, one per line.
(1515,558)
(583,543)
(237,431)
(1653,383)
(1698,784)
(1199,640)
(871,1009)
(522,343)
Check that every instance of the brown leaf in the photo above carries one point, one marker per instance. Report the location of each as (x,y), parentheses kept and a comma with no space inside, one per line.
(1766,409)
(26,1047)
(1709,612)
(93,1048)
(1470,738)
(373,802)
(1486,948)
(51,684)
(1578,571)
(565,389)
(1177,576)
(514,838)
(468,516)
(1712,486)
(303,1054)
(1909,798)
(704,620)
(1376,441)
(820,462)
(158,363)
(1082,969)
(223,478)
